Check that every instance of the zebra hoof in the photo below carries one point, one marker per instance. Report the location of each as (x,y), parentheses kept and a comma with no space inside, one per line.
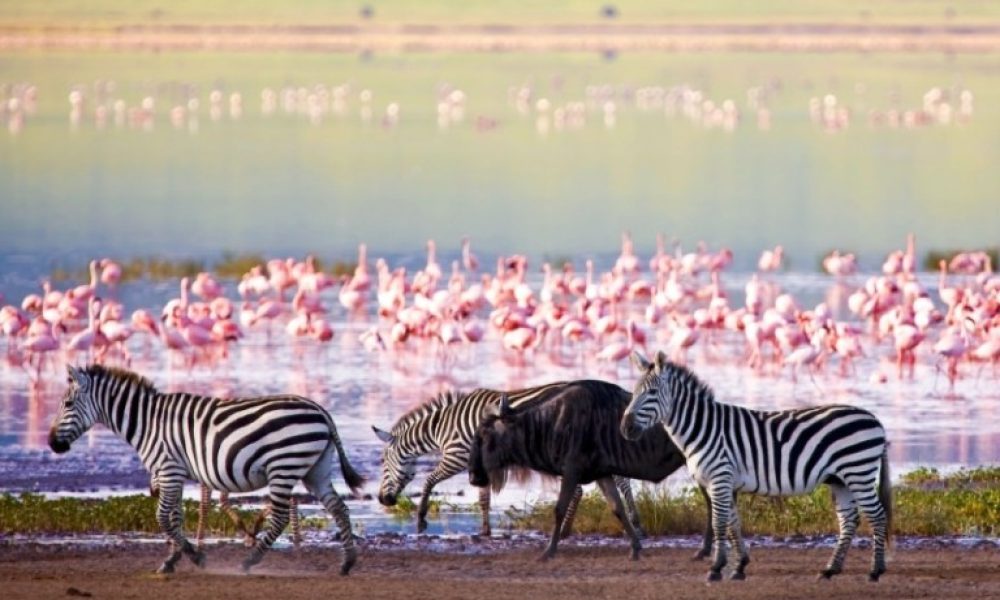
(198,558)
(714,576)
(873,577)
(486,531)
(738,576)
(545,556)
(421,526)
(700,555)
(165,569)
(350,557)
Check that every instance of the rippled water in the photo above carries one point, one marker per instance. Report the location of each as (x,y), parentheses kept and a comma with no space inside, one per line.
(927,425)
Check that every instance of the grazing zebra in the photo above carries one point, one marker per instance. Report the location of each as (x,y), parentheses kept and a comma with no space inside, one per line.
(235,445)
(447,424)
(732,449)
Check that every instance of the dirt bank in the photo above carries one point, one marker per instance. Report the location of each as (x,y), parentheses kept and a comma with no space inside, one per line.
(56,571)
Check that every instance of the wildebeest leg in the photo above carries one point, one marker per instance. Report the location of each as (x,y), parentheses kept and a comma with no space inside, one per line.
(566,492)
(442,471)
(625,489)
(607,485)
(574,503)
(484,508)
(706,542)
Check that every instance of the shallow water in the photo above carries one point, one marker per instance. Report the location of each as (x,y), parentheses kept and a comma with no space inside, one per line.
(927,424)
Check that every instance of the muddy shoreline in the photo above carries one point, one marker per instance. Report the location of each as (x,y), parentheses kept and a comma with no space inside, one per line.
(124,570)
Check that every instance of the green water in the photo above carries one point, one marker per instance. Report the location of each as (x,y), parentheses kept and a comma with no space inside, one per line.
(279,183)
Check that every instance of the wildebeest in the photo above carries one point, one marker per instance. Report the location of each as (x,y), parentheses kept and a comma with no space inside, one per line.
(573,435)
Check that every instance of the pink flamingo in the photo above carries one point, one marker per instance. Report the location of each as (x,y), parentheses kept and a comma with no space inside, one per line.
(111,272)
(206,287)
(433,269)
(469,260)
(806,355)
(371,340)
(361,280)
(684,336)
(770,260)
(90,338)
(321,330)
(616,351)
(952,346)
(39,342)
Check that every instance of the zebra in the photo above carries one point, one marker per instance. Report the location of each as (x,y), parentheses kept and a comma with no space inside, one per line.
(781,453)
(235,445)
(447,424)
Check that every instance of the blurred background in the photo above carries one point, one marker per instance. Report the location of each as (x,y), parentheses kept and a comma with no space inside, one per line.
(188,129)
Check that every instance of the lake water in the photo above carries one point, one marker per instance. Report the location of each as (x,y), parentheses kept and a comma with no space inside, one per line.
(279,181)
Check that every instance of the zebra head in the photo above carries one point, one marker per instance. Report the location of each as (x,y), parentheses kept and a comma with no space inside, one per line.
(651,397)
(399,466)
(77,411)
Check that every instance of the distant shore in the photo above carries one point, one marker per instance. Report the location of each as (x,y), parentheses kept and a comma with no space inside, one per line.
(674,37)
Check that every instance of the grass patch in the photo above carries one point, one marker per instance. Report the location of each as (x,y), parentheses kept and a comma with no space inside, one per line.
(925,503)
(35,514)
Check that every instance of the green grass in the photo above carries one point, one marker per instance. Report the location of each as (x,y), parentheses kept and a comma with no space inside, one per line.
(34,514)
(925,503)
(111,12)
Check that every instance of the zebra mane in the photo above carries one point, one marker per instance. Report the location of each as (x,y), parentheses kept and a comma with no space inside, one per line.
(428,408)
(686,377)
(96,371)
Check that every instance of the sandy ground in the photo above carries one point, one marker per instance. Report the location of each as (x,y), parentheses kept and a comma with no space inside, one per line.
(57,571)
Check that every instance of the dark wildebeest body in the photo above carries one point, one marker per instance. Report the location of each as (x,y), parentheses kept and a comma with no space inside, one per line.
(573,435)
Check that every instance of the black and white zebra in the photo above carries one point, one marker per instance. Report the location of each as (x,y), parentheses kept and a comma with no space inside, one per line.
(731,449)
(235,445)
(447,424)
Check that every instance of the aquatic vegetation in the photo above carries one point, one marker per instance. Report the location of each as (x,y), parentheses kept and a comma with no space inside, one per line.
(966,502)
(235,265)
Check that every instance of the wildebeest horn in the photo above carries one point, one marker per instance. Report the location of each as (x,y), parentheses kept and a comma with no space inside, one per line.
(504,405)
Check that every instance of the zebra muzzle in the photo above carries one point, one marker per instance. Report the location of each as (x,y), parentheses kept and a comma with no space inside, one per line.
(58,446)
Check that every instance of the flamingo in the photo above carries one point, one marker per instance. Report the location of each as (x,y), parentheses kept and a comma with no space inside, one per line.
(111,272)
(206,287)
(469,260)
(90,338)
(770,260)
(952,346)
(806,355)
(40,341)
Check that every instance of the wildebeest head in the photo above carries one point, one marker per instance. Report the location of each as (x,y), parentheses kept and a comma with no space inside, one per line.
(77,411)
(651,397)
(491,447)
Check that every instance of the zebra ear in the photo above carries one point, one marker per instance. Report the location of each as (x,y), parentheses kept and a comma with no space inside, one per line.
(661,361)
(639,361)
(75,374)
(385,436)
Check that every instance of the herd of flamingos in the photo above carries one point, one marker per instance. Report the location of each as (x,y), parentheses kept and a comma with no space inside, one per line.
(674,298)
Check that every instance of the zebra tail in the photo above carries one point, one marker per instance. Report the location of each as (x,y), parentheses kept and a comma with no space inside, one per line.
(885,494)
(353,478)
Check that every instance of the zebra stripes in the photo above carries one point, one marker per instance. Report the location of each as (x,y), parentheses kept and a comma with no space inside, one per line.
(447,424)
(731,449)
(233,445)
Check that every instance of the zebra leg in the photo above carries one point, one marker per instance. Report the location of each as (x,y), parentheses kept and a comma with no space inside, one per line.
(441,472)
(721,493)
(323,490)
(848,519)
(706,544)
(484,508)
(625,490)
(868,500)
(566,492)
(607,486)
(574,503)
(279,493)
(206,500)
(168,515)
(736,537)
(293,520)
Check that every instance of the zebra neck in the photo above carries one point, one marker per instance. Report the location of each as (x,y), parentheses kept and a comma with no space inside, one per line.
(136,416)
(691,416)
